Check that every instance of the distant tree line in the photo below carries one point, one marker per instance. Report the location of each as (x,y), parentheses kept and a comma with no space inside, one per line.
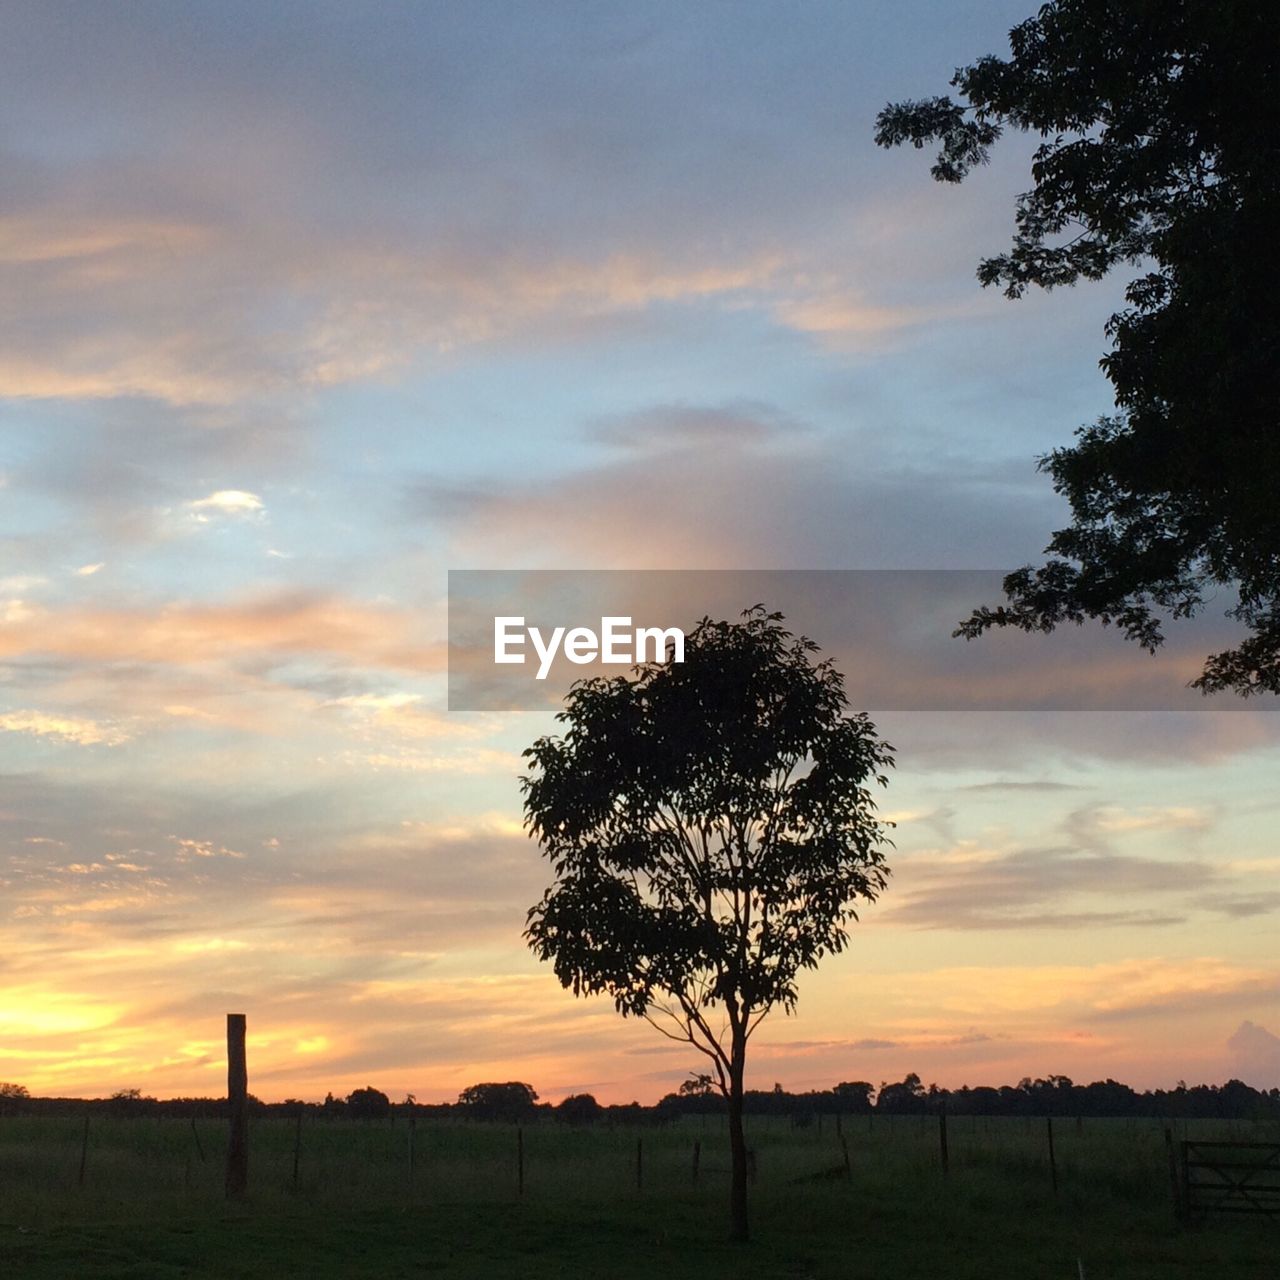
(1051,1096)
(514,1102)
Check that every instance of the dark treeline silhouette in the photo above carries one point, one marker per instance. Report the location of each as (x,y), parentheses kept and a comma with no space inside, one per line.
(514,1102)
(1053,1096)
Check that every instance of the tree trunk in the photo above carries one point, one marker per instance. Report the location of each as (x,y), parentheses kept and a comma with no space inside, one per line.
(738,1147)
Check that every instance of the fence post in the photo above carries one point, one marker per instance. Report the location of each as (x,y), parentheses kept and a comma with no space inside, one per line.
(942,1141)
(520,1161)
(848,1168)
(84,1149)
(238,1106)
(697,1156)
(297,1146)
(1179,1209)
(195,1133)
(413,1153)
(639,1164)
(1053,1164)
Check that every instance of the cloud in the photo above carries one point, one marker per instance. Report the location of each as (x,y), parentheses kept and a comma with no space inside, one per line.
(471,760)
(85,733)
(1255,1055)
(376,715)
(265,627)
(114,317)
(1094,827)
(970,887)
(731,486)
(1014,786)
(226,502)
(20,583)
(567,190)
(845,319)
(664,428)
(1010,740)
(1242,905)
(1109,991)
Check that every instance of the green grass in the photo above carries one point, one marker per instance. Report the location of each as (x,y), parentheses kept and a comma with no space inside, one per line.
(151,1208)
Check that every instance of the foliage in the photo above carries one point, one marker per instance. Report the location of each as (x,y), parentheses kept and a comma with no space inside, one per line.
(855,1094)
(709,825)
(710,828)
(510,1102)
(907,1098)
(8,1090)
(1159,129)
(368,1104)
(579,1108)
(698,1085)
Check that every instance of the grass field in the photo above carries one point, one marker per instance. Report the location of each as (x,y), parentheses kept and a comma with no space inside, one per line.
(150,1206)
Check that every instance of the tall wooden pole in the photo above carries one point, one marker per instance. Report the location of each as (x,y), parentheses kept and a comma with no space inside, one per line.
(238,1107)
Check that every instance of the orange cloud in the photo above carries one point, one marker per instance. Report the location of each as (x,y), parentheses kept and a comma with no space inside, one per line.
(293,623)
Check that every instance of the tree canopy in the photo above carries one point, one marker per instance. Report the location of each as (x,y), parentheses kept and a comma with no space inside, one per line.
(1159,148)
(711,827)
(513,1100)
(368,1103)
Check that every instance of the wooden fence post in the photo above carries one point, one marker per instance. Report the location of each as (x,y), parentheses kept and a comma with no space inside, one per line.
(238,1106)
(639,1164)
(848,1168)
(1179,1208)
(195,1133)
(84,1149)
(1053,1164)
(697,1156)
(942,1141)
(520,1161)
(297,1146)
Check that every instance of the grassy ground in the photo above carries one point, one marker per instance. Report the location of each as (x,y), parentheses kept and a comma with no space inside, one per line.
(151,1208)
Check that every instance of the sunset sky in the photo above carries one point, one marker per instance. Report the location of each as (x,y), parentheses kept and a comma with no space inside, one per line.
(306,304)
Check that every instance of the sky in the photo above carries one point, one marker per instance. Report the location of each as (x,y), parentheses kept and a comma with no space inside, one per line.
(307,304)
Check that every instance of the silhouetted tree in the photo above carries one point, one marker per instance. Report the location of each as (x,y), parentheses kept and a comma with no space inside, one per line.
(508,1102)
(1161,148)
(579,1108)
(710,827)
(854,1095)
(8,1090)
(368,1104)
(698,1085)
(907,1098)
